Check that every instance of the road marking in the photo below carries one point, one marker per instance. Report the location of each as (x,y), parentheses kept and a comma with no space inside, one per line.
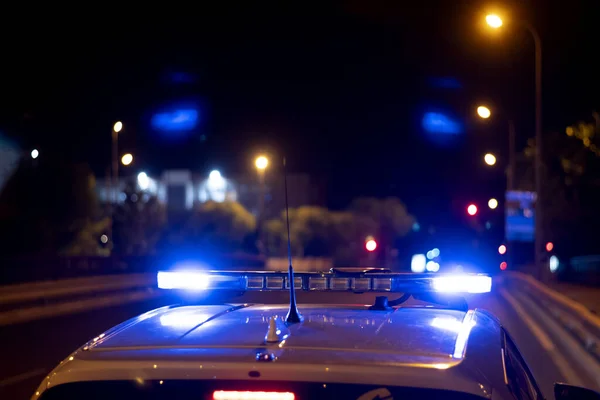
(22,377)
(560,362)
(590,367)
(537,331)
(579,308)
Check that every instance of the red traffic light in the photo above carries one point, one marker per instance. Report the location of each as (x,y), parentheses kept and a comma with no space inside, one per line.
(472,209)
(371,245)
(502,249)
(503,265)
(549,246)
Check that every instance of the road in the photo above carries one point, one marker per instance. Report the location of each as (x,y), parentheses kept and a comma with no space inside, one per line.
(32,349)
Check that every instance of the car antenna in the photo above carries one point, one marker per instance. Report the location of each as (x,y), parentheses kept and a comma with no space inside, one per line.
(293,315)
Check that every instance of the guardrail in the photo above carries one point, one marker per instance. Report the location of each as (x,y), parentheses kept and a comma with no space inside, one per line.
(26,302)
(579,321)
(51,268)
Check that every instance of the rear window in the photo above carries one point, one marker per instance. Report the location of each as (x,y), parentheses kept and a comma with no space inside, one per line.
(205,390)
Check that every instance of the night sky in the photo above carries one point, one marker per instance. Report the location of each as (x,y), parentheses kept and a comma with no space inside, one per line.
(340,88)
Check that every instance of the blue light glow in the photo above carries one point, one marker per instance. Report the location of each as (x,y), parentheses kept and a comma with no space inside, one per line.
(182,77)
(445,83)
(435,122)
(190,280)
(177,120)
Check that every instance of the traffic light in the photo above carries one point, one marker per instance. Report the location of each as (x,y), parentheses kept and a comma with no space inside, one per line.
(472,209)
(371,245)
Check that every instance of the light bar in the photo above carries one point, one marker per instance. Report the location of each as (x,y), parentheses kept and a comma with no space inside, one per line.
(182,280)
(200,281)
(462,284)
(358,282)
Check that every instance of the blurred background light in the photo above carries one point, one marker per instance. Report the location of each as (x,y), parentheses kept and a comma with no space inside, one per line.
(436,122)
(417,263)
(176,120)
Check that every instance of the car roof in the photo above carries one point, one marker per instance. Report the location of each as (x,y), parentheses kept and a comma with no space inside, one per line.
(405,332)
(422,340)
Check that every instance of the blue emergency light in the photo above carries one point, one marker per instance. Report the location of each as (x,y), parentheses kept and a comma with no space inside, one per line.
(379,282)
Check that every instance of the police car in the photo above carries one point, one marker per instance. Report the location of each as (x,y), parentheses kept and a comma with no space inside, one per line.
(435,348)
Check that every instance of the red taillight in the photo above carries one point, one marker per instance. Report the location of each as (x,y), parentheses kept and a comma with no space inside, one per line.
(251,395)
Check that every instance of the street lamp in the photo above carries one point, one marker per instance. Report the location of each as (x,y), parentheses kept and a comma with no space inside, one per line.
(261,164)
(117,126)
(127,159)
(489,159)
(35,153)
(492,203)
(495,22)
(114,180)
(483,112)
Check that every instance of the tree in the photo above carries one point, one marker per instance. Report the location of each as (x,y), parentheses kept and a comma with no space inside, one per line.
(220,226)
(310,233)
(310,227)
(138,222)
(349,231)
(389,215)
(44,206)
(570,189)
(275,238)
(87,240)
(319,232)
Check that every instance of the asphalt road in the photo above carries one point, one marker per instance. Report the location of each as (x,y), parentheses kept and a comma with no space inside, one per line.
(30,350)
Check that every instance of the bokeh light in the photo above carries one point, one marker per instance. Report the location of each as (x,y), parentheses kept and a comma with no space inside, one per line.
(472,209)
(489,159)
(371,245)
(127,159)
(493,20)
